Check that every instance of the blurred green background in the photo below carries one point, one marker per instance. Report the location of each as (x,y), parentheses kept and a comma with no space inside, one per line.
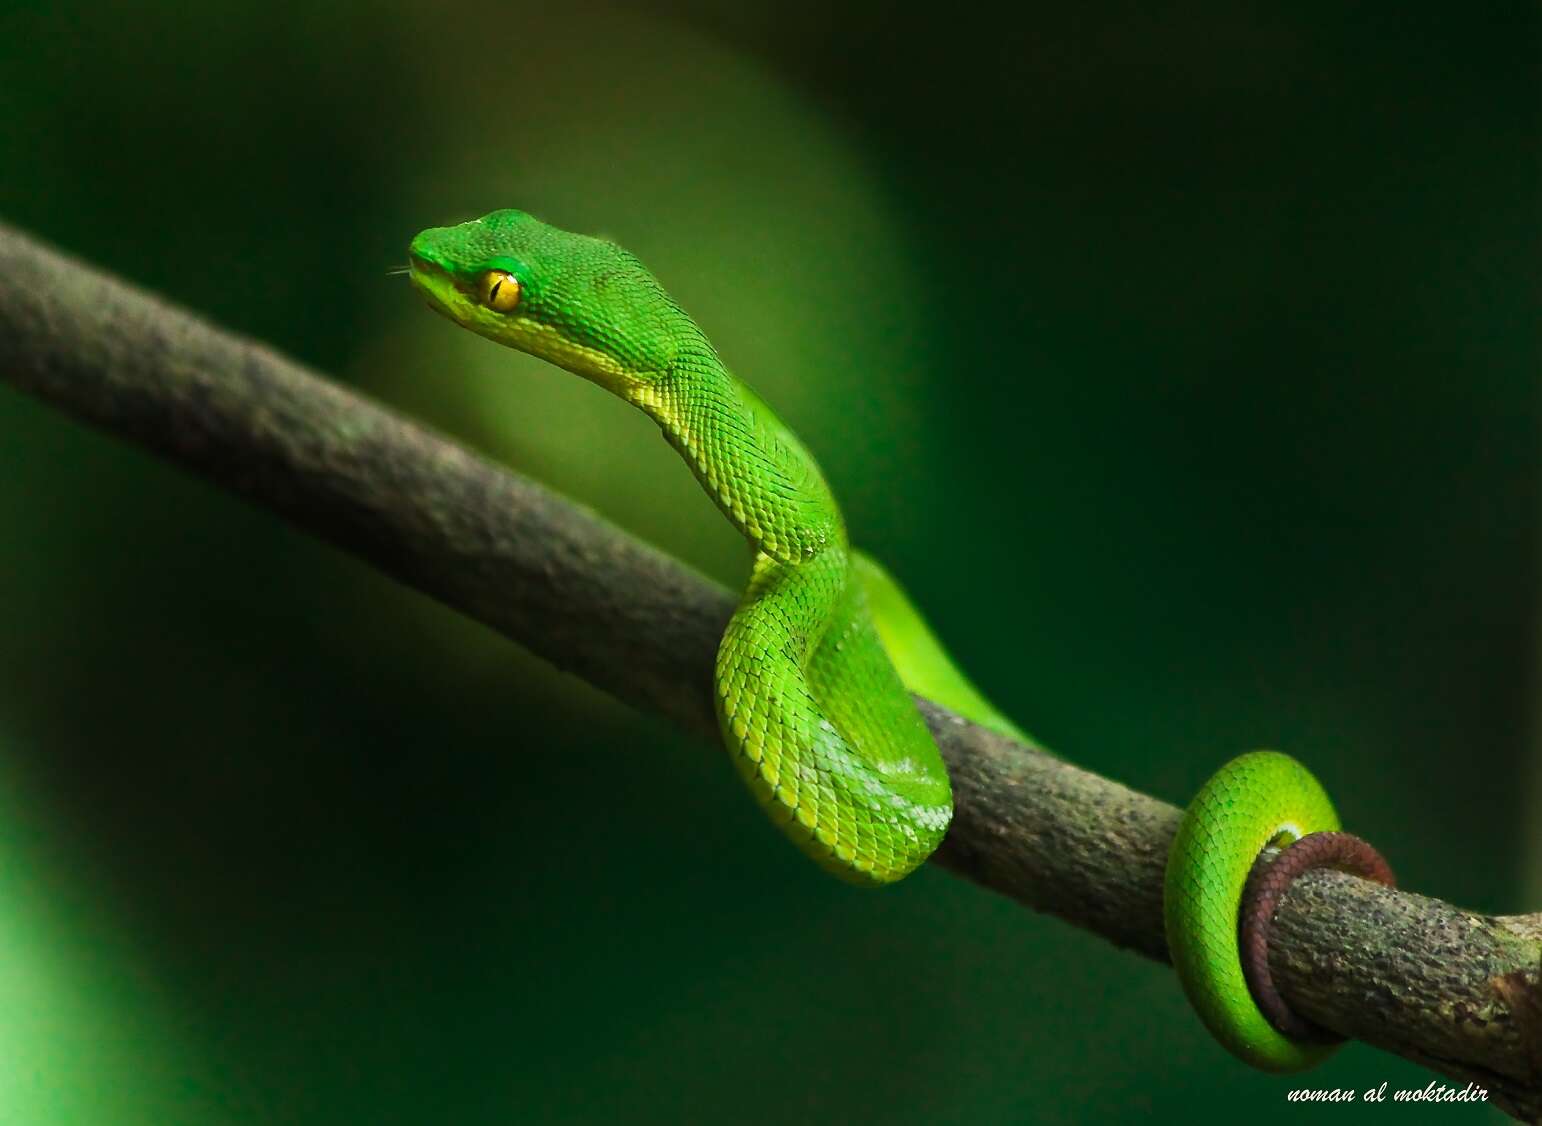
(1182,363)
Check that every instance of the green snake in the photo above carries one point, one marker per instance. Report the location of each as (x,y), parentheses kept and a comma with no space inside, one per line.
(814,670)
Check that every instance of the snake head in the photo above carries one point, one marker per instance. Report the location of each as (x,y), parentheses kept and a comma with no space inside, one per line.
(581,303)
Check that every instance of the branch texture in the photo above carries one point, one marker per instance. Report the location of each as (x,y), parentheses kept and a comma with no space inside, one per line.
(1461,993)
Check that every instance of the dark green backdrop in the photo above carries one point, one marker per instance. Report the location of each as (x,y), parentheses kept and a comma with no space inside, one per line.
(1183,364)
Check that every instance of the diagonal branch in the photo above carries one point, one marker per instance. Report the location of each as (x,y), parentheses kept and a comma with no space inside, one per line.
(1460,993)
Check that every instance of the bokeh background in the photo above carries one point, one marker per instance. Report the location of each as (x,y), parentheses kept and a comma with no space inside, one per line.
(1183,362)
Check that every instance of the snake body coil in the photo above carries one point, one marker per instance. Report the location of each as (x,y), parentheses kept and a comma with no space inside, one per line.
(813,670)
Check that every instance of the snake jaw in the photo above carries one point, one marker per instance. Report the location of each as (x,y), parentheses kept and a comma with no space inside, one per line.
(439,289)
(453,296)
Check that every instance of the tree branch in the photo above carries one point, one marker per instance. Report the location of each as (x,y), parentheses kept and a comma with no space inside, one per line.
(1458,992)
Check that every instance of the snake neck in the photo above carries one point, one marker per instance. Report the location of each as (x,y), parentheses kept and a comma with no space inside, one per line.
(752,466)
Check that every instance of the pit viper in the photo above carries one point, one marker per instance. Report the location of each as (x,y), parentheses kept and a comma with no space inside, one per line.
(814,670)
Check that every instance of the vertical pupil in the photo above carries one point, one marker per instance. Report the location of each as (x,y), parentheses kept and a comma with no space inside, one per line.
(492,294)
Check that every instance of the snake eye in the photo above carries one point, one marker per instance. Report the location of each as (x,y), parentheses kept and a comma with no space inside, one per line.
(499,290)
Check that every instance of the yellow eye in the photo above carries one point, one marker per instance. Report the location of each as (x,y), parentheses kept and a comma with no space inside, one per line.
(499,290)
